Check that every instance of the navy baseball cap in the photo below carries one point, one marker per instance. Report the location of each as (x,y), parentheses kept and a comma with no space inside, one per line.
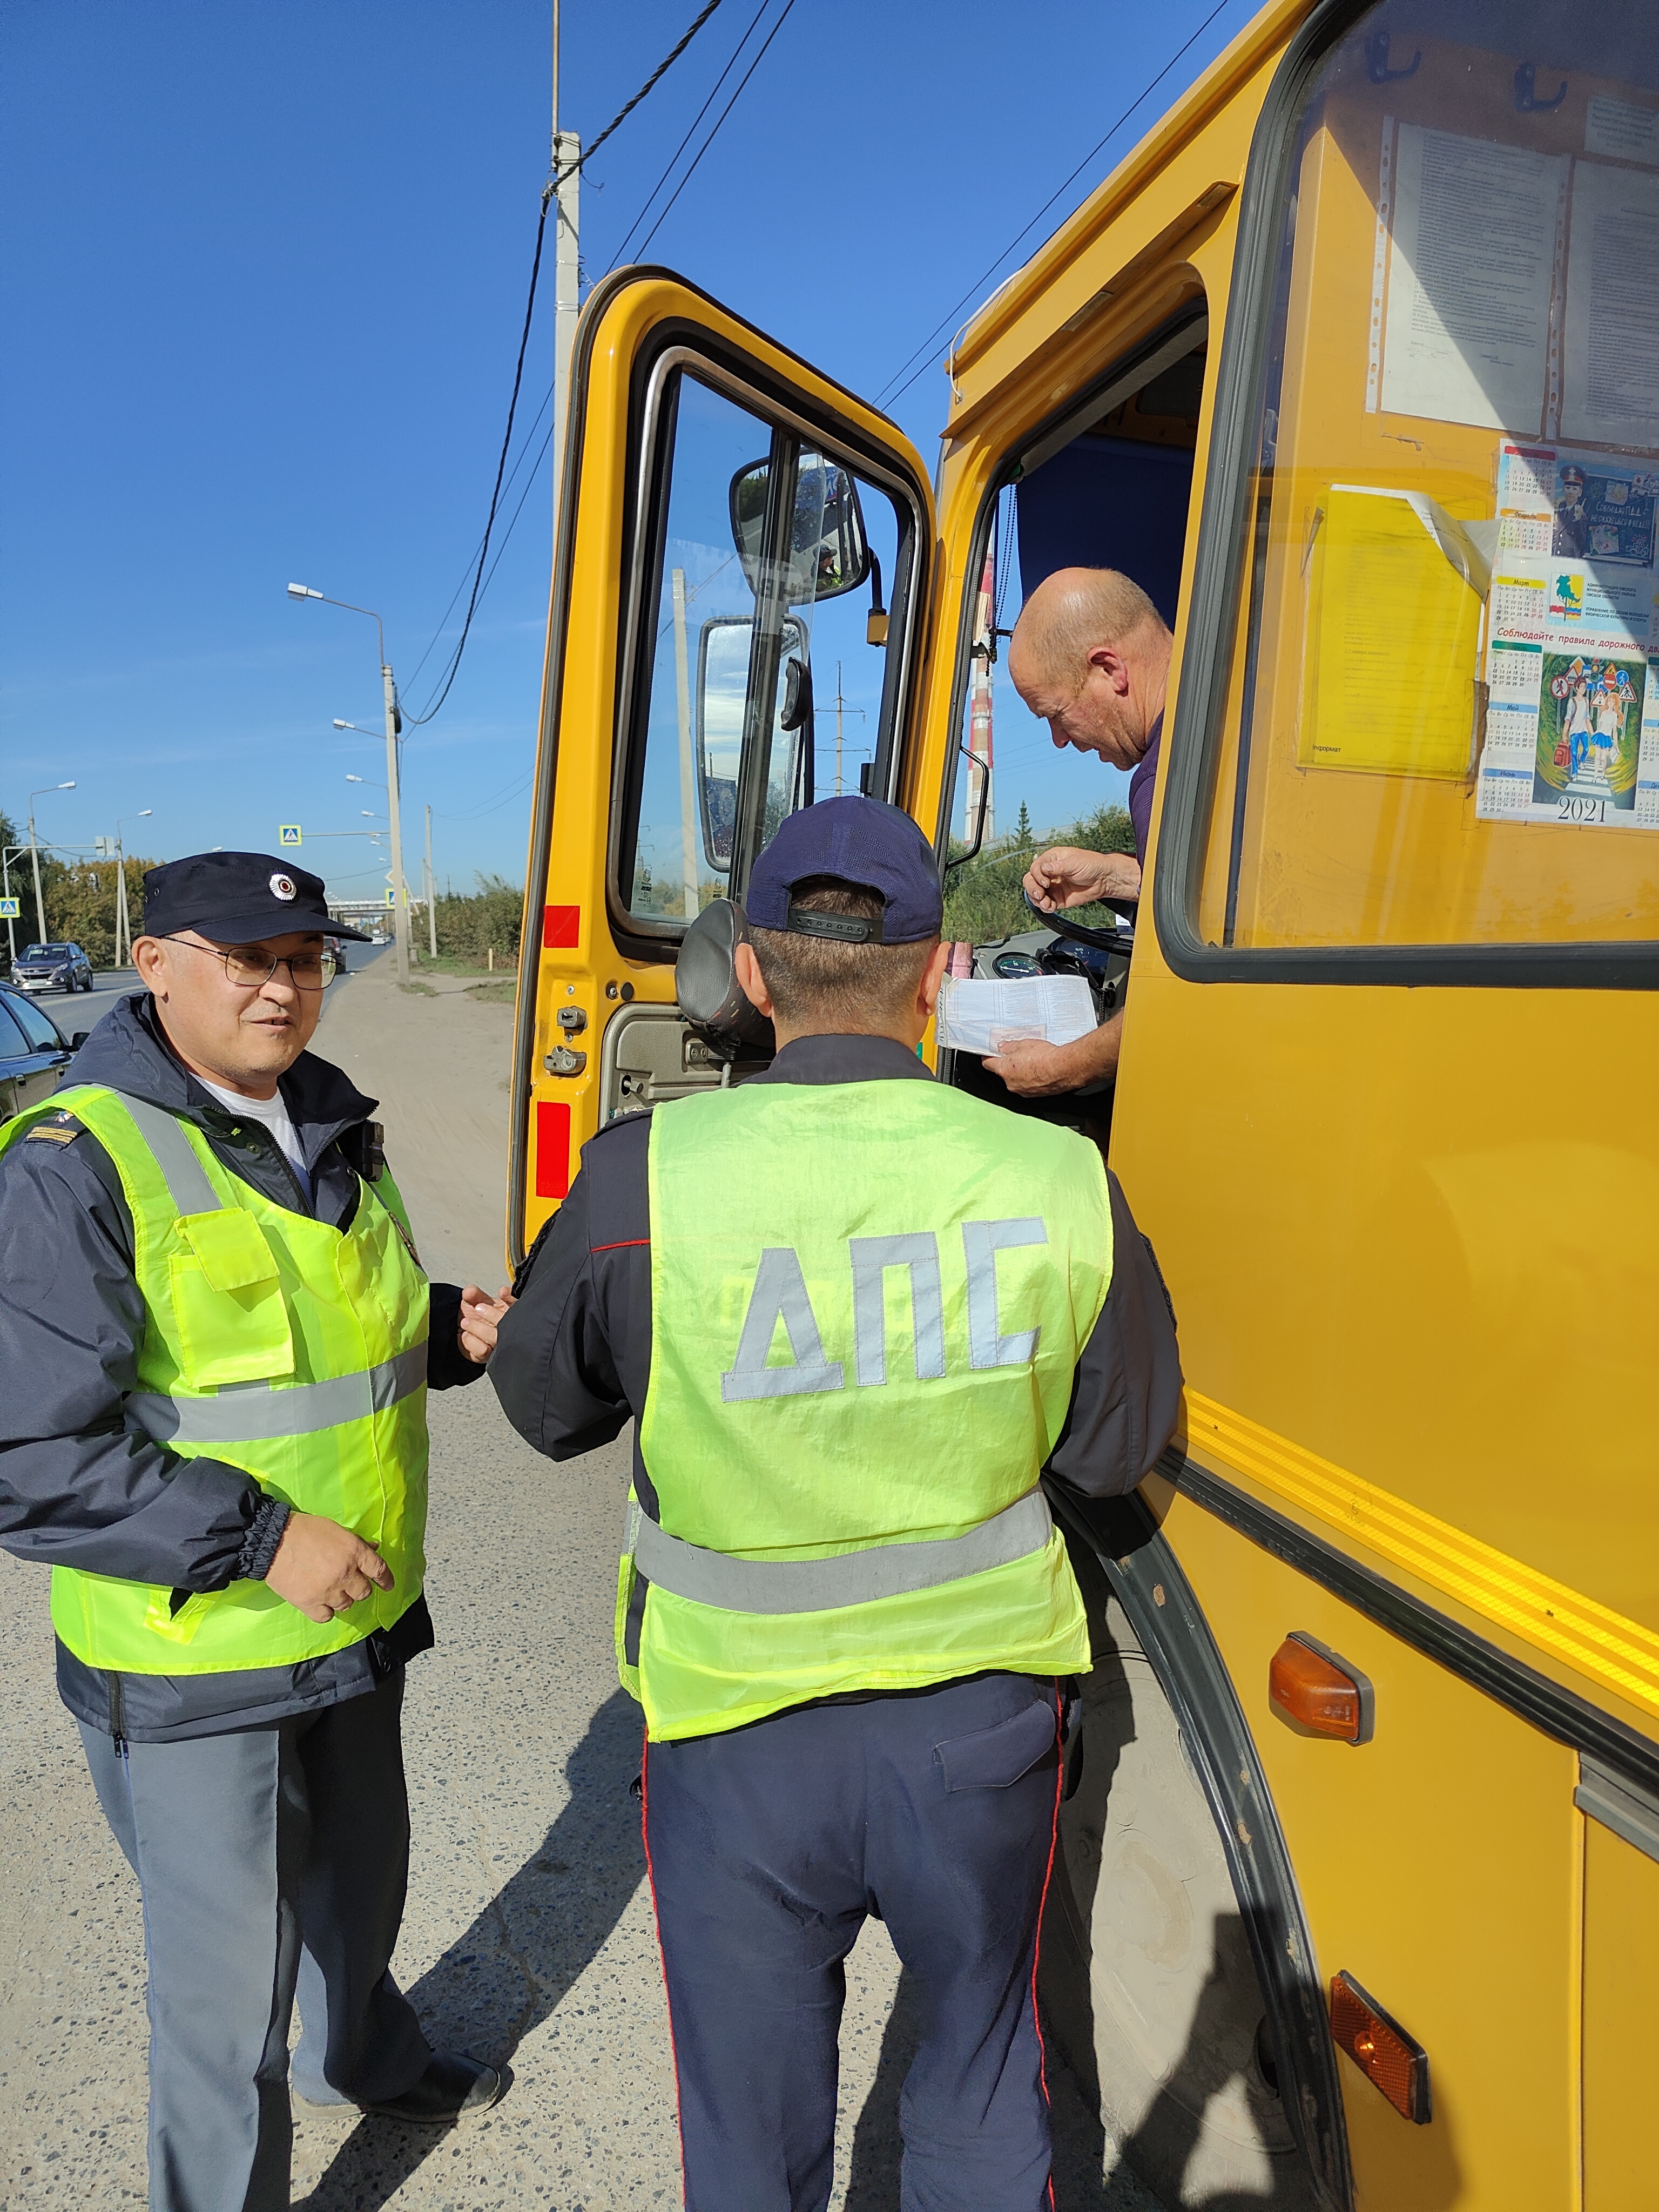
(861,842)
(236,898)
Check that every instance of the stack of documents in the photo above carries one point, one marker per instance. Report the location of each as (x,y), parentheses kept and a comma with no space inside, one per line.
(982,1015)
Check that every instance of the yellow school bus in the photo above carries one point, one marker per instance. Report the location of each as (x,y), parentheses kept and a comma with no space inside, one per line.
(1359,351)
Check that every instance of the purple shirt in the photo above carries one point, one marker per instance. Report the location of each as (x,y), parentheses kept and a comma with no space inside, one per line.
(1140,791)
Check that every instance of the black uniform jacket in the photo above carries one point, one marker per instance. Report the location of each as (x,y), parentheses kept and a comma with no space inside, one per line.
(573,1358)
(78,1488)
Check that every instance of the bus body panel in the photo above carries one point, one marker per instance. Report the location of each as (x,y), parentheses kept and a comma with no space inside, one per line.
(1440,1864)
(1412,1235)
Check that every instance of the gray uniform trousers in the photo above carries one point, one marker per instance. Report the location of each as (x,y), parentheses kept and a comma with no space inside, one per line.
(248,1846)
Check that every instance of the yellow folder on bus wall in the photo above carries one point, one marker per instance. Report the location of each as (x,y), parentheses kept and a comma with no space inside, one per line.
(1394,594)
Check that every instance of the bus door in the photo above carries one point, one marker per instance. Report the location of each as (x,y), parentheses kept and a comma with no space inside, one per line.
(738,605)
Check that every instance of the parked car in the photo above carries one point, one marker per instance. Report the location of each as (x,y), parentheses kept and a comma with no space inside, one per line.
(33,1053)
(51,967)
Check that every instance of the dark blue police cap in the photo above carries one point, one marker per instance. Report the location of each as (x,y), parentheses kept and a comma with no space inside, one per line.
(236,898)
(862,842)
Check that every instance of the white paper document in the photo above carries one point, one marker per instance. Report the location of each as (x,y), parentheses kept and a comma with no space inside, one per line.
(1473,249)
(978,1014)
(1621,129)
(1610,375)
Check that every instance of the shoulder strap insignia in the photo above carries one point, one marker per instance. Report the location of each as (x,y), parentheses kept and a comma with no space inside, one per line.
(59,1128)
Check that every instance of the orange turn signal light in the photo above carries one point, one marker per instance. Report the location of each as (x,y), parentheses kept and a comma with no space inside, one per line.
(1381,2049)
(1319,1692)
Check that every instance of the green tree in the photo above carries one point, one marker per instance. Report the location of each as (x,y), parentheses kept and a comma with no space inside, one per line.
(79,897)
(983,900)
(1023,832)
(493,915)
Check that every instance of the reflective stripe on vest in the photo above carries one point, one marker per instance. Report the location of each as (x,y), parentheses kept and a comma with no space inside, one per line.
(846,1578)
(867,1304)
(253,1410)
(278,1344)
(183,1172)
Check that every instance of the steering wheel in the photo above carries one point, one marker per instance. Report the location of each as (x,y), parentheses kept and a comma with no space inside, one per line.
(1080,932)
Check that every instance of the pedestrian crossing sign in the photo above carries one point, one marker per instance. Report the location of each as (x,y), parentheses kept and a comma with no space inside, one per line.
(287,833)
(392,898)
(10,908)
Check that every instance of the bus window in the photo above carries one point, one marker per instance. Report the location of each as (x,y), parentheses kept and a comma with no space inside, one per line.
(1440,723)
(762,614)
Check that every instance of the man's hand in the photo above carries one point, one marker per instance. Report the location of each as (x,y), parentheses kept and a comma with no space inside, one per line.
(1032,1069)
(480,1317)
(1066,875)
(322,1568)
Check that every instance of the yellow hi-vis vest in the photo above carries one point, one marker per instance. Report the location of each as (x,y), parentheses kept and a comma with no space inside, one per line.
(867,1303)
(276,1343)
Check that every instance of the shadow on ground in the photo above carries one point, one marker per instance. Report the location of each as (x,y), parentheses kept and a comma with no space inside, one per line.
(504,1975)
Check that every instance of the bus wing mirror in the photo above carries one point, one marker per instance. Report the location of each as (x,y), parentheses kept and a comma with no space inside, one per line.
(828,546)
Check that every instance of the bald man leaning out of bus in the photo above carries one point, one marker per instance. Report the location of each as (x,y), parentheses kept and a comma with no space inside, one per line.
(1091,656)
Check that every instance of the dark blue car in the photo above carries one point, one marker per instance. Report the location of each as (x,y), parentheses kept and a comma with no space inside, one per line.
(32,1054)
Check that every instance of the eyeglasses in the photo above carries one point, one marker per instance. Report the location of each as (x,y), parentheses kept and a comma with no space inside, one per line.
(248,969)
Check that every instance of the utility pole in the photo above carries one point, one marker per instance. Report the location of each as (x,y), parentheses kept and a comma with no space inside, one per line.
(979,712)
(122,918)
(838,729)
(842,709)
(431,893)
(393,720)
(565,184)
(34,854)
(399,888)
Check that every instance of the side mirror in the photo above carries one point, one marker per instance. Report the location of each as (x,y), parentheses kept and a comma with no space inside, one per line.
(722,692)
(706,985)
(828,548)
(79,1039)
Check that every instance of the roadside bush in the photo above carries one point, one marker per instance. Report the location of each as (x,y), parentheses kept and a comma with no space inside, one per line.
(982,897)
(492,915)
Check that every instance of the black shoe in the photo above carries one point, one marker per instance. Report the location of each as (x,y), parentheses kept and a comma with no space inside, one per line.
(453,2087)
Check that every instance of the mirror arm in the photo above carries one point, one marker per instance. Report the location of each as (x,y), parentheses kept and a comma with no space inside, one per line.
(798,718)
(960,860)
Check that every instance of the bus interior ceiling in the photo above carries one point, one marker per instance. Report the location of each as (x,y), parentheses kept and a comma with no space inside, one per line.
(1117,496)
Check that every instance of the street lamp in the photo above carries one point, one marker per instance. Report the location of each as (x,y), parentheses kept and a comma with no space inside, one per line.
(123,919)
(393,726)
(34,853)
(428,881)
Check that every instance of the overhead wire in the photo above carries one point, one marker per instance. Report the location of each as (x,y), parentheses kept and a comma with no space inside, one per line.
(668,167)
(623,113)
(473,556)
(448,678)
(489,805)
(549,192)
(893,389)
(714,133)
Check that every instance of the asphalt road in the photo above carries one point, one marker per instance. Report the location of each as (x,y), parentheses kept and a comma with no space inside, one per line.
(83,1010)
(528,1937)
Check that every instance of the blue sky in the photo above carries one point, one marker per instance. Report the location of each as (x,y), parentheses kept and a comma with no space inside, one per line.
(263,271)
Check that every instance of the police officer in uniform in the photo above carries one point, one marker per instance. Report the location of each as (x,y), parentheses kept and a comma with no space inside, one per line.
(215,1343)
(858,1315)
